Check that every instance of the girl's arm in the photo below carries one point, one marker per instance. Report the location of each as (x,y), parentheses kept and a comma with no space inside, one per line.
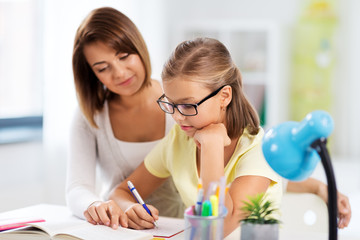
(145,183)
(310,185)
(240,189)
(319,188)
(212,140)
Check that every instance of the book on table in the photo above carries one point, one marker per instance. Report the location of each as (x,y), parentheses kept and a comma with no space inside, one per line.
(73,228)
(11,223)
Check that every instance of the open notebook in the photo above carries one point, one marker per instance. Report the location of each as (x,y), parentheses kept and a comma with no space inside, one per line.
(167,227)
(59,221)
(79,229)
(72,229)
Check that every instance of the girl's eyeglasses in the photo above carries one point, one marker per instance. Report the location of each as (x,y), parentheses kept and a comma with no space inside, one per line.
(185,109)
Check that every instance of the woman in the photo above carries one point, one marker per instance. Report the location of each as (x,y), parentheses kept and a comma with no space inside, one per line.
(118,122)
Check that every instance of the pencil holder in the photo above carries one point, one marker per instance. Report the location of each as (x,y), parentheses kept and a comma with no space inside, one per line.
(201,228)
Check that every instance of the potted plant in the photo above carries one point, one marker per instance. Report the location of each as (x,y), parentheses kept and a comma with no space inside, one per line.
(259,222)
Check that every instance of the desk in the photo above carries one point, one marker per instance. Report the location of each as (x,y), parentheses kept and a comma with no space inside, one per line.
(285,235)
(56,212)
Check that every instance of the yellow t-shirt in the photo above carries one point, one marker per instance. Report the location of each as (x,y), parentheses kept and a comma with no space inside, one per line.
(175,155)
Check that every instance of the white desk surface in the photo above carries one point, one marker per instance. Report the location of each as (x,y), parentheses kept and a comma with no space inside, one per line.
(56,212)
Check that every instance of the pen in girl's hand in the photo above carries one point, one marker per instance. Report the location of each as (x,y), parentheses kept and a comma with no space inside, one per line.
(139,199)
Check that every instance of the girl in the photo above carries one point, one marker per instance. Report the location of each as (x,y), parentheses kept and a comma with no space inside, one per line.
(217,134)
(118,122)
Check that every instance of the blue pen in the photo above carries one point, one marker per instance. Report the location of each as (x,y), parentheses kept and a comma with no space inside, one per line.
(138,198)
(199,201)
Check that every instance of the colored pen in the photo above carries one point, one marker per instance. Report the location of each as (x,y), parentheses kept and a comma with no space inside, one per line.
(138,198)
(214,200)
(222,194)
(199,201)
(199,184)
(206,209)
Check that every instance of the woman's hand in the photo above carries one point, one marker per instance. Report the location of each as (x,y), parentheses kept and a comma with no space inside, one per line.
(106,213)
(139,218)
(212,132)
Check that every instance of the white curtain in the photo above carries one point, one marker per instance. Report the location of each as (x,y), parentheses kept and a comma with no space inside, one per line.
(347,83)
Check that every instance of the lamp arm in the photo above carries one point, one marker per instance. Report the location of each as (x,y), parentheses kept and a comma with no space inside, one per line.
(320,146)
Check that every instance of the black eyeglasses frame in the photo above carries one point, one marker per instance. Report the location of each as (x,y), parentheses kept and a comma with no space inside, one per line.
(195,105)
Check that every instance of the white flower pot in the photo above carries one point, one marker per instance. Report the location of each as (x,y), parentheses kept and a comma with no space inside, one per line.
(250,231)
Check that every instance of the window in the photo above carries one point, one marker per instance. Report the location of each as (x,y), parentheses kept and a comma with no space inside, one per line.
(20,70)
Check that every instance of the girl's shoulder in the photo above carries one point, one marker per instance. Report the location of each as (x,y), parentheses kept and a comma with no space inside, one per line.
(248,140)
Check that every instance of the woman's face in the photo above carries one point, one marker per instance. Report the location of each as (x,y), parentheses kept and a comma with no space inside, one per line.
(180,91)
(122,73)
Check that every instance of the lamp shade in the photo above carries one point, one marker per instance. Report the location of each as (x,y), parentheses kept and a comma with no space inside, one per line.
(287,146)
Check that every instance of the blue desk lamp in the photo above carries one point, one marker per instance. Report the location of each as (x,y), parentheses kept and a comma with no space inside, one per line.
(293,150)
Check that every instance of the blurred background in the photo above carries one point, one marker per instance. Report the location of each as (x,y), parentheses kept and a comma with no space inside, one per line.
(296,56)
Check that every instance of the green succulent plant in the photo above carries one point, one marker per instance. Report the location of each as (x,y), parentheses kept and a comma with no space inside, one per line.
(259,211)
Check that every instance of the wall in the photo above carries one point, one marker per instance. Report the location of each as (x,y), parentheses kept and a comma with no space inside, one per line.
(347,84)
(22,175)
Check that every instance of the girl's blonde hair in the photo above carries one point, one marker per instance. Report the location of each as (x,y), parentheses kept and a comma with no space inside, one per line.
(207,61)
(113,28)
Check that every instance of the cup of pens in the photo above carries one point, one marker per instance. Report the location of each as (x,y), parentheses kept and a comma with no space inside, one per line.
(201,227)
(205,220)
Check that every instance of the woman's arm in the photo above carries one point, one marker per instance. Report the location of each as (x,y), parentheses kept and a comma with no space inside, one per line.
(81,165)
(145,183)
(81,194)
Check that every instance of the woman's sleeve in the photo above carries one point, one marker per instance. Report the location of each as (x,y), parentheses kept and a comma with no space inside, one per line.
(81,167)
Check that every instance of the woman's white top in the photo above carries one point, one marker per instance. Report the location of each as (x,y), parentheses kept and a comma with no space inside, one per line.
(98,162)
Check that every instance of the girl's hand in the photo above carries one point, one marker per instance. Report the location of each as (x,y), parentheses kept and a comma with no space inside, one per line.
(344,210)
(212,132)
(106,213)
(343,205)
(139,218)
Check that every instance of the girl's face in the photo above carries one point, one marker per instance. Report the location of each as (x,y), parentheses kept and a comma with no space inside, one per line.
(121,73)
(179,91)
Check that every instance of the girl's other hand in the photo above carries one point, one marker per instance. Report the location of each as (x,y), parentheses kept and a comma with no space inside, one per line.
(139,218)
(106,213)
(343,205)
(344,210)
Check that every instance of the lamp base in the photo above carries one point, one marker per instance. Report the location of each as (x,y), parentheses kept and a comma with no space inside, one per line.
(320,146)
